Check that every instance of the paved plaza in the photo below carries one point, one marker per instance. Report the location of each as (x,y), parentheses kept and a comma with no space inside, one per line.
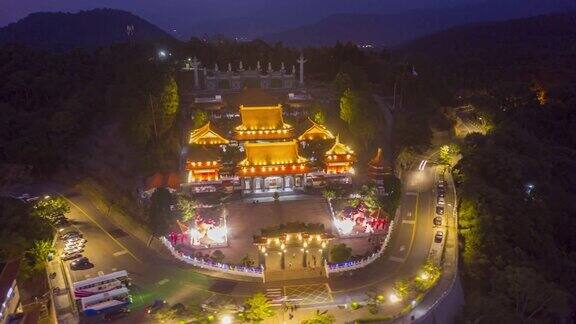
(246,218)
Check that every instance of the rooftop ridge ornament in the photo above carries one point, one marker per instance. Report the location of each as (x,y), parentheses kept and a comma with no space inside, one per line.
(269,67)
(258,67)
(240,66)
(229,67)
(216,69)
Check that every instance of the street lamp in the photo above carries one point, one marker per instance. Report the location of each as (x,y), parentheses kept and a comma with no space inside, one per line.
(424,276)
(393,298)
(226,319)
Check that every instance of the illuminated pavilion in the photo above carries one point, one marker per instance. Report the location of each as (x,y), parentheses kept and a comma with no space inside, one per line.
(271,161)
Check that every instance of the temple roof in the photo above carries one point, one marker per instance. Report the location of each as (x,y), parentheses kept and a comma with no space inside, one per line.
(379,162)
(206,135)
(272,153)
(262,118)
(339,148)
(316,131)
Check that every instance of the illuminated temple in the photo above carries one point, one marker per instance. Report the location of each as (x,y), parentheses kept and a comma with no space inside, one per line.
(271,152)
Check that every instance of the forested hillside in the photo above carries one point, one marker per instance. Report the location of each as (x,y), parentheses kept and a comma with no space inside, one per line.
(516,184)
(55,107)
(541,48)
(85,29)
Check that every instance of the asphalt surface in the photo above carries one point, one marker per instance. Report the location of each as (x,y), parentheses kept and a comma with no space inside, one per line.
(109,249)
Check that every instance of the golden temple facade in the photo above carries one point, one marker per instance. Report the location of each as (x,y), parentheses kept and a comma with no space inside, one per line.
(271,160)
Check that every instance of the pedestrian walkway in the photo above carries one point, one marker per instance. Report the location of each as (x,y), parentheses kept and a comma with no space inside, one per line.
(63,300)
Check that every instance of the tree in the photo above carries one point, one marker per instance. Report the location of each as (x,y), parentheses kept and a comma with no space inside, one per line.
(319,117)
(200,118)
(187,207)
(50,208)
(320,318)
(159,213)
(247,261)
(169,104)
(40,252)
(340,253)
(402,288)
(428,276)
(218,256)
(257,308)
(447,152)
(329,194)
(349,106)
(371,198)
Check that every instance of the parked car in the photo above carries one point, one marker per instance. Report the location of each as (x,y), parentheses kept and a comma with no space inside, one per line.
(439,210)
(438,221)
(81,263)
(155,306)
(70,234)
(74,249)
(74,245)
(70,256)
(440,200)
(116,314)
(438,237)
(75,239)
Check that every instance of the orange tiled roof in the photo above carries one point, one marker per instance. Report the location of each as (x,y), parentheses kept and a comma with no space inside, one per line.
(316,131)
(206,135)
(339,148)
(272,153)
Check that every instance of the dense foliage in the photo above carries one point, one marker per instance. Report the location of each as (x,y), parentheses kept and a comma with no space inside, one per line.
(24,234)
(52,102)
(516,184)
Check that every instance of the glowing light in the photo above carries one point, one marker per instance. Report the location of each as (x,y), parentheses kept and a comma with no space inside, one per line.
(345,226)
(282,246)
(217,234)
(393,298)
(195,236)
(226,319)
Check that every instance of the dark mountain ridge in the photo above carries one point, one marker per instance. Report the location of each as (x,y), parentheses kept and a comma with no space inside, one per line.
(86,29)
(394,29)
(540,48)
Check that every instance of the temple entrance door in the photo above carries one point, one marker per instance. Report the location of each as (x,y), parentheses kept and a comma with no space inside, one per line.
(273,183)
(257,184)
(288,182)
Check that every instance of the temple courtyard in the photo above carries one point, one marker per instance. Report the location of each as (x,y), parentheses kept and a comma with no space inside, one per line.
(246,218)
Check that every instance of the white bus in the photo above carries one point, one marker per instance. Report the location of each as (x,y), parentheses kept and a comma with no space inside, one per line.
(106,302)
(101,284)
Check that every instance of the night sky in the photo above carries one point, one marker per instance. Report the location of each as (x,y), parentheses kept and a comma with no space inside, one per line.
(182,14)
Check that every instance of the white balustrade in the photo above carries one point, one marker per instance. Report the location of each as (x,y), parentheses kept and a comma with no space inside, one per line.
(209,265)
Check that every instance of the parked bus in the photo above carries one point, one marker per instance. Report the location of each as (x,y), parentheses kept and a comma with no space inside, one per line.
(101,284)
(106,302)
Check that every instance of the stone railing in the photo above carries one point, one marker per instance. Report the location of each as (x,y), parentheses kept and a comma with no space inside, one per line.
(214,266)
(353,265)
